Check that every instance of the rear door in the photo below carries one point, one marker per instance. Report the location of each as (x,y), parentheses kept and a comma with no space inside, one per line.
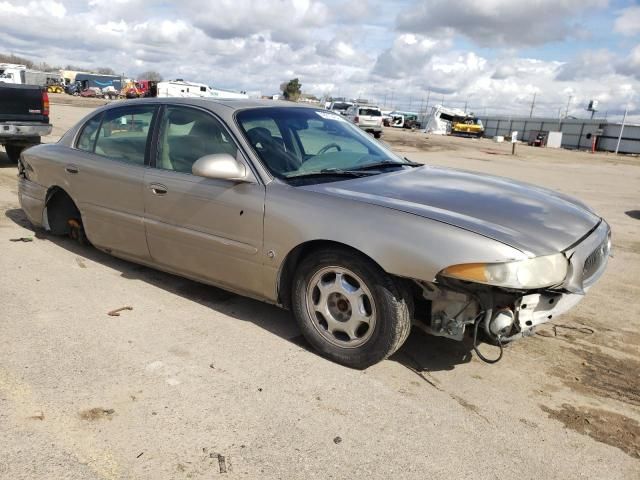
(107,180)
(203,228)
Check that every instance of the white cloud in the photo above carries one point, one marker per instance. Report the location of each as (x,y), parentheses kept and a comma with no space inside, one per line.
(628,21)
(498,22)
(343,48)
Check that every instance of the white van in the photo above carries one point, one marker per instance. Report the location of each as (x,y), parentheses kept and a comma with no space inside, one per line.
(367,117)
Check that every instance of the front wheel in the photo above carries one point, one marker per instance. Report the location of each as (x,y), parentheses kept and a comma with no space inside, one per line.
(349,309)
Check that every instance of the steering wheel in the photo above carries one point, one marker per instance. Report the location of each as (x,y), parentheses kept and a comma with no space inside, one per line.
(329,146)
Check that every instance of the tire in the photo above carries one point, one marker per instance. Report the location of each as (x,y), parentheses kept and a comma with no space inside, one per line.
(13,152)
(377,134)
(376,315)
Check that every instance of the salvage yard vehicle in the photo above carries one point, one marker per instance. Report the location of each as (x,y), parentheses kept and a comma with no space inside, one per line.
(367,117)
(453,121)
(296,206)
(467,126)
(24,117)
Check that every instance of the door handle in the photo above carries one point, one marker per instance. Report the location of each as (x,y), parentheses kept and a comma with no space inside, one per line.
(71,169)
(158,189)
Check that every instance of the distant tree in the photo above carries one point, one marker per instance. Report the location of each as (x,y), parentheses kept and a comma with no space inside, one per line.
(11,58)
(291,90)
(75,68)
(150,75)
(105,71)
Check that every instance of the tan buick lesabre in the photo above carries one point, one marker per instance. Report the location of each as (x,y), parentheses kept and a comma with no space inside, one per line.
(296,206)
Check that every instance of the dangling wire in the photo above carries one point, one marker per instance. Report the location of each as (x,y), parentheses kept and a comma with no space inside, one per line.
(475,342)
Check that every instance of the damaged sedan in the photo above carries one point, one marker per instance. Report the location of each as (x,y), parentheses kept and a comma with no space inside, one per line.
(295,206)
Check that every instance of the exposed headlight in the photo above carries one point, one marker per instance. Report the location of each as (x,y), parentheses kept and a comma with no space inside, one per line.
(538,272)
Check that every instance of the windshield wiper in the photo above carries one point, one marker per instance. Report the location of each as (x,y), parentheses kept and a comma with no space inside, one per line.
(329,172)
(377,165)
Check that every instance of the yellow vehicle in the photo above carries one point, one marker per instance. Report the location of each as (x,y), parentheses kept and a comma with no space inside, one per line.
(55,88)
(467,127)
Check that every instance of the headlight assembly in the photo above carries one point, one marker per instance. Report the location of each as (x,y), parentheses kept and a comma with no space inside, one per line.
(538,272)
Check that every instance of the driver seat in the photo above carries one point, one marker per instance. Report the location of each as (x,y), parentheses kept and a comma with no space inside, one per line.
(272,149)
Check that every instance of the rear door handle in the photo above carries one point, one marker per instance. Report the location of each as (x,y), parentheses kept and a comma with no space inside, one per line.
(158,189)
(71,169)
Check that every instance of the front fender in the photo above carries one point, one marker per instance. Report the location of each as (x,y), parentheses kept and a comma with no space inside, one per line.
(403,244)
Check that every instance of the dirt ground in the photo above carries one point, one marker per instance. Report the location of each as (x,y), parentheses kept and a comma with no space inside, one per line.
(195,382)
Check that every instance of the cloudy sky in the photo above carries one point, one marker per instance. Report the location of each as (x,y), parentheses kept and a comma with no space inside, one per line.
(492,54)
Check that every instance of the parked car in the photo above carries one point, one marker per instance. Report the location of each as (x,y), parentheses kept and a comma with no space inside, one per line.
(340,107)
(295,206)
(24,117)
(367,117)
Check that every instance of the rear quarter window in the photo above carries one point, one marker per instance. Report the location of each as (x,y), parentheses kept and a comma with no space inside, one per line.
(87,138)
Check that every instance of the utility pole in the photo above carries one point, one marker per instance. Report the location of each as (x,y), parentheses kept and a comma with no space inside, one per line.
(428,96)
(533,104)
(385,100)
(392,99)
(566,112)
(410,99)
(624,118)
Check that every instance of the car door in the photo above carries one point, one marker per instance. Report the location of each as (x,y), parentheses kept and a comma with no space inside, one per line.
(108,178)
(203,228)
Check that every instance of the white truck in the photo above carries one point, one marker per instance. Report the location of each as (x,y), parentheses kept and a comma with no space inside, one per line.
(21,75)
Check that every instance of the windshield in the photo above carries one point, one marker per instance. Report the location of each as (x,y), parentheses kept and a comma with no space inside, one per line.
(294,141)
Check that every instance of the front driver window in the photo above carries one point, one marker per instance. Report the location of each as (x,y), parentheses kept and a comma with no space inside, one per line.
(186,134)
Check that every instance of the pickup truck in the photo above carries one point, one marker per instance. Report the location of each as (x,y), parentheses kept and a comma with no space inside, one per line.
(24,117)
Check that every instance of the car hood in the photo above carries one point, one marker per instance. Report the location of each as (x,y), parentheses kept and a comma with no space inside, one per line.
(532,219)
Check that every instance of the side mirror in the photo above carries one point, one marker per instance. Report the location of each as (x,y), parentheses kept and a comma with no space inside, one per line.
(220,166)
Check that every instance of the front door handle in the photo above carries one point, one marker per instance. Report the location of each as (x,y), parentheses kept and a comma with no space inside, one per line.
(158,189)
(71,169)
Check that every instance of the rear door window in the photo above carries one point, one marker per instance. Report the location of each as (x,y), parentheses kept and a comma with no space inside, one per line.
(370,112)
(124,134)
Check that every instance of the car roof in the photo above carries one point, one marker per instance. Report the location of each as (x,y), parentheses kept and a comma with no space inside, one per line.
(230,105)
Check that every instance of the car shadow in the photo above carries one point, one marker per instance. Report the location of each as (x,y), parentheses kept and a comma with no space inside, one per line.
(424,353)
(420,353)
(633,214)
(4,160)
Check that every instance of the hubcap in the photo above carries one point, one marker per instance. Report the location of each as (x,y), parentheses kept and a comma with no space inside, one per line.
(341,307)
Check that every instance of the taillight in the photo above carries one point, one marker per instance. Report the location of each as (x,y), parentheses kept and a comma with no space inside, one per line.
(45,103)
(356,120)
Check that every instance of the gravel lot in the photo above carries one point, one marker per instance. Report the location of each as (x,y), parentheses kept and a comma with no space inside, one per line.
(195,382)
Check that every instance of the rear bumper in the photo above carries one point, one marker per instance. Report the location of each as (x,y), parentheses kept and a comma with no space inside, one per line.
(18,131)
(32,199)
(371,128)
